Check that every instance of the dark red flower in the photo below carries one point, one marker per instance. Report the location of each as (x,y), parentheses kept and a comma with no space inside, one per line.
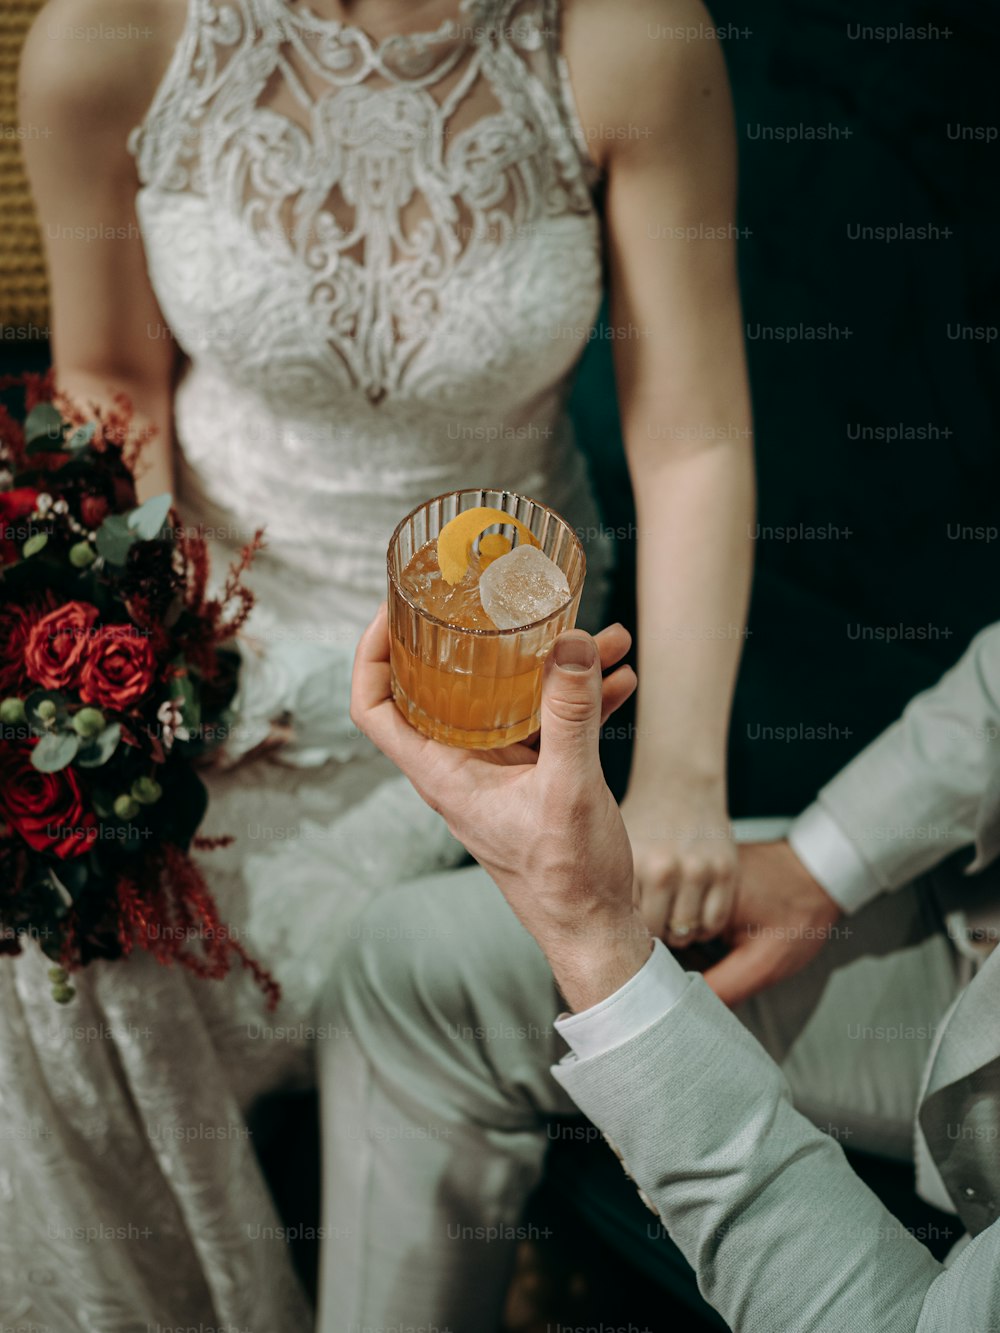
(124,496)
(16,624)
(94,510)
(38,388)
(46,809)
(119,669)
(15,506)
(58,643)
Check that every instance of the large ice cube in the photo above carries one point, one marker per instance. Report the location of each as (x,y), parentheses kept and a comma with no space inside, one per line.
(521,587)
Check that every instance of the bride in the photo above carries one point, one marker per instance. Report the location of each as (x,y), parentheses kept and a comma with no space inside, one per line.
(344,258)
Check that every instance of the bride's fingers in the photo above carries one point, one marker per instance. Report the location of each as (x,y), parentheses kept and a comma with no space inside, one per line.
(613,643)
(615,689)
(684,923)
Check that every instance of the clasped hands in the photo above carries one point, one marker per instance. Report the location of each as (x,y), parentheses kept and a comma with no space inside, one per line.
(543,824)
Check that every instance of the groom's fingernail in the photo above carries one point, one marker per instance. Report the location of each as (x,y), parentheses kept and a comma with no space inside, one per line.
(574,653)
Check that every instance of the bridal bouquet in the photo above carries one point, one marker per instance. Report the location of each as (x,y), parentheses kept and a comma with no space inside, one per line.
(114,680)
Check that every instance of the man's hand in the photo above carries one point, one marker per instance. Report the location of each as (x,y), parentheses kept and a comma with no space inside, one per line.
(542,823)
(781,920)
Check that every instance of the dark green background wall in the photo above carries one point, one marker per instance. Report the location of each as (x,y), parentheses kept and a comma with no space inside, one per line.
(901,569)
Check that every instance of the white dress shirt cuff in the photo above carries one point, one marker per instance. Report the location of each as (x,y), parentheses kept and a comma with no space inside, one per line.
(644,999)
(831,858)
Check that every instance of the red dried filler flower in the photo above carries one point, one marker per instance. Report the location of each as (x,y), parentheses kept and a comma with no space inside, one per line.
(114,672)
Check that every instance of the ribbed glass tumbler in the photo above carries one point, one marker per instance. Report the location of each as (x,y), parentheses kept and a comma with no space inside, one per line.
(475,688)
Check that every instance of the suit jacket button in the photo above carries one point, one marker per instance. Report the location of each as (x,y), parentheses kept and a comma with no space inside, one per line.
(970,1193)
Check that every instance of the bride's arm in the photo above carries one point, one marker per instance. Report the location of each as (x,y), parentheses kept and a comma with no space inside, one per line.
(88,71)
(655,102)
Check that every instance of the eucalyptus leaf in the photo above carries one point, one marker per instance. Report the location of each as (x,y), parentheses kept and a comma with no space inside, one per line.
(37,697)
(81,437)
(54,751)
(101,748)
(115,539)
(43,422)
(150,517)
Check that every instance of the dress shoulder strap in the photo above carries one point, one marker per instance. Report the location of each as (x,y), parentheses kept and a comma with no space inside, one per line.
(534,27)
(563,91)
(213,34)
(146,140)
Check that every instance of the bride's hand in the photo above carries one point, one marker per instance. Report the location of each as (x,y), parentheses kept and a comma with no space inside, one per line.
(686,867)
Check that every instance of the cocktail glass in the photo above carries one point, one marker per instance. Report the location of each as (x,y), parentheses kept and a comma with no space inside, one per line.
(455,677)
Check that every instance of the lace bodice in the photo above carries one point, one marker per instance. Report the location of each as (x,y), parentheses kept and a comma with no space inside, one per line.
(375,218)
(383,262)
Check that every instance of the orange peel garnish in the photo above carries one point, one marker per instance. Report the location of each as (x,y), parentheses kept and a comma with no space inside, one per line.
(492,547)
(454,544)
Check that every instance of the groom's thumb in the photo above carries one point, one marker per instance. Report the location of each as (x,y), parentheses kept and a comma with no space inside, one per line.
(571,707)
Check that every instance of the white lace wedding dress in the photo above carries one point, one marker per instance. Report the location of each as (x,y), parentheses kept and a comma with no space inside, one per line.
(382,262)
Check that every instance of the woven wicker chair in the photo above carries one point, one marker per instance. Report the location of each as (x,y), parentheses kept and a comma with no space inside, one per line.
(23,293)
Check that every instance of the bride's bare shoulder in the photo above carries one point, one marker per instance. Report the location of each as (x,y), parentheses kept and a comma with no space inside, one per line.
(94,65)
(643,71)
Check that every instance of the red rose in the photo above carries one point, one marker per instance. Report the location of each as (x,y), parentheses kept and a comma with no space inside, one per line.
(16,624)
(57,644)
(94,510)
(45,809)
(15,506)
(120,668)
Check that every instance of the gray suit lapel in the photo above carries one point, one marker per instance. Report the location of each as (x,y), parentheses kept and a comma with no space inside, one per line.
(961,1123)
(972,1038)
(960,1115)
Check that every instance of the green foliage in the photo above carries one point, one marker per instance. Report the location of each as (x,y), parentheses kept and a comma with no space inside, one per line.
(43,429)
(148,520)
(55,751)
(100,749)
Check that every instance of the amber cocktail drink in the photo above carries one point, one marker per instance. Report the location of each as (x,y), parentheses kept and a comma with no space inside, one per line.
(481,582)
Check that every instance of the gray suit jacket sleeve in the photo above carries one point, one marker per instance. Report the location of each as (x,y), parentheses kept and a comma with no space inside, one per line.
(782,1234)
(930,784)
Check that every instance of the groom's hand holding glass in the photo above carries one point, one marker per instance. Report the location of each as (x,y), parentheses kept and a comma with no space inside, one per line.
(541,822)
(545,827)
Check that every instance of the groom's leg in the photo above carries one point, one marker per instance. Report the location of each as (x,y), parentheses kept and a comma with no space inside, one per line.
(434,1105)
(435,1089)
(853,1032)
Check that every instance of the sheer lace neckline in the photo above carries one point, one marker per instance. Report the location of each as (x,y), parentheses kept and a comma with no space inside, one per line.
(381,204)
(353,33)
(348,54)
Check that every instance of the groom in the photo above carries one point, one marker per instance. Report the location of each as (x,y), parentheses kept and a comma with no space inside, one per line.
(448,1062)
